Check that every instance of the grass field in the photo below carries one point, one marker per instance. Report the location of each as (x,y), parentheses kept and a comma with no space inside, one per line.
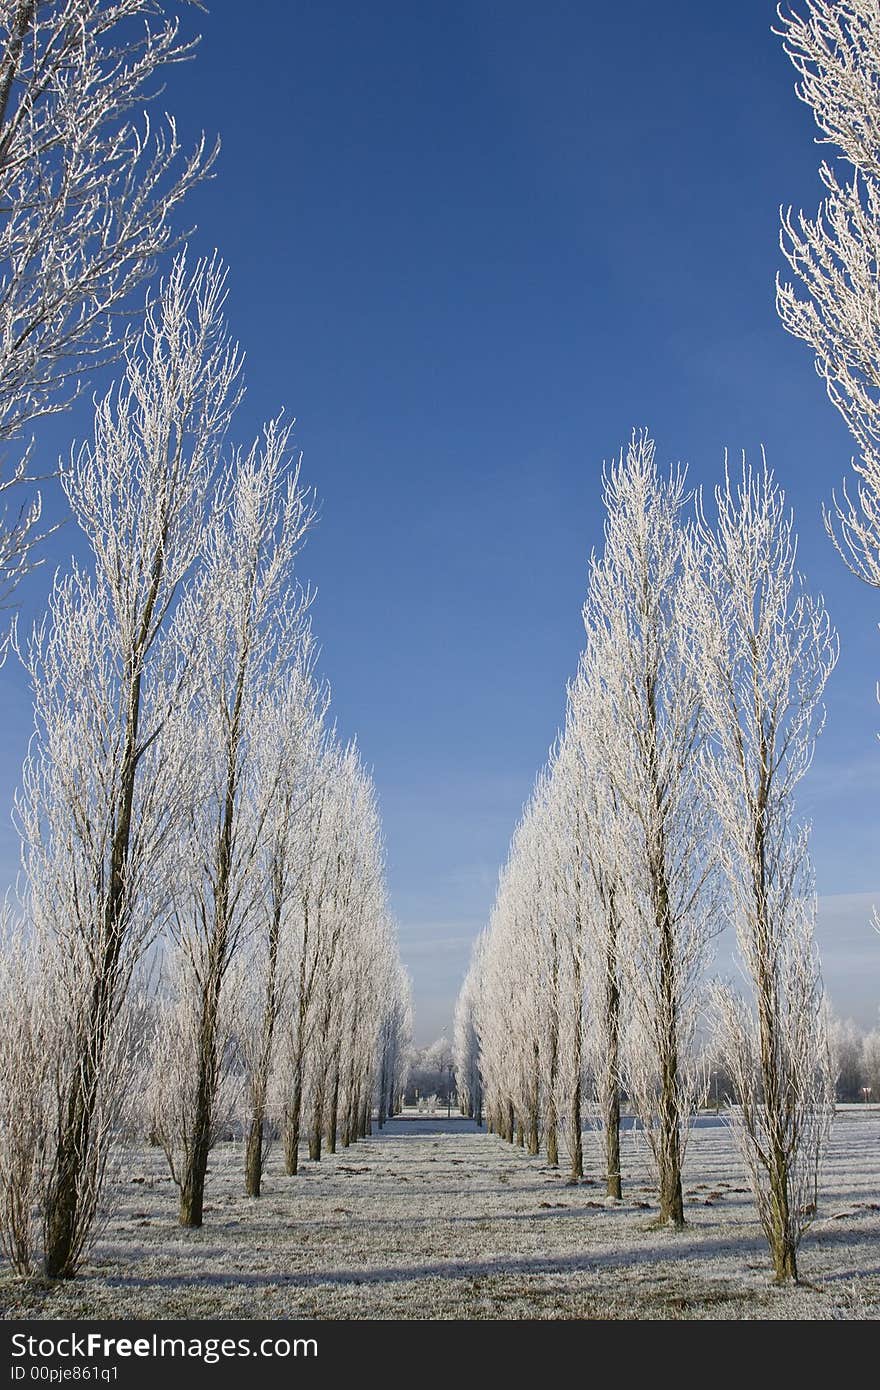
(435,1219)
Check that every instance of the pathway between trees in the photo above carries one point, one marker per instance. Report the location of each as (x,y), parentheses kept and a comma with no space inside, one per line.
(434,1218)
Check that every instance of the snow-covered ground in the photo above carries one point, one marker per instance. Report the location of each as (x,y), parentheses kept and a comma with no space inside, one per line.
(435,1219)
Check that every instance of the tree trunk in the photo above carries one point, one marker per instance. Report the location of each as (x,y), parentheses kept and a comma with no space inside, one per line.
(576,1171)
(253,1164)
(611,1117)
(783,1247)
(71,1202)
(669,1142)
(24,17)
(292,1120)
(577,1141)
(317,1129)
(333,1115)
(534,1142)
(613,1183)
(253,1157)
(63,1202)
(552,1120)
(382,1087)
(782,1237)
(192,1187)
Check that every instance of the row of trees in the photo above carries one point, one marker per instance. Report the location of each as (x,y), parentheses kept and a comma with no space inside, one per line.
(184,805)
(855,1058)
(202,911)
(665,813)
(431,1073)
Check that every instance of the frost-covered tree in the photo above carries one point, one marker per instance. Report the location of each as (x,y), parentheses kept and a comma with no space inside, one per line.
(308,875)
(167,1110)
(344,1025)
(376,986)
(244,623)
(649,706)
(834,307)
(466,1041)
(286,756)
(763,649)
(604,904)
(846,1049)
(871,1065)
(88,190)
(28,994)
(518,1016)
(597,835)
(103,787)
(347,910)
(834,46)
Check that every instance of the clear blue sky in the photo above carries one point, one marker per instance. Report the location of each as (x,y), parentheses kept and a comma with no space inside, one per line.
(471,245)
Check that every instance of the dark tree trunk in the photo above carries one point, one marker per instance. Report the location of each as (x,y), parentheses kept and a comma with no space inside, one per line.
(253,1157)
(611,1118)
(64,1214)
(671,1199)
(71,1199)
(613,1184)
(553,1043)
(24,17)
(333,1115)
(533,1139)
(195,1166)
(253,1164)
(317,1129)
(577,1140)
(292,1121)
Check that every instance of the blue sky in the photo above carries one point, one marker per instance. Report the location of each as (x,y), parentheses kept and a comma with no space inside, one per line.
(471,246)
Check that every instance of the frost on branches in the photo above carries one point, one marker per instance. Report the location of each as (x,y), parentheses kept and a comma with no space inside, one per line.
(666,810)
(88,188)
(203,867)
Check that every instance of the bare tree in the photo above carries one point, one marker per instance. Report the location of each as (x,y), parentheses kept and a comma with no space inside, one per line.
(87,191)
(102,794)
(763,649)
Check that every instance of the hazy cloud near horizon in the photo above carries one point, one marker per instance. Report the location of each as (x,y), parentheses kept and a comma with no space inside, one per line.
(437,955)
(850,952)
